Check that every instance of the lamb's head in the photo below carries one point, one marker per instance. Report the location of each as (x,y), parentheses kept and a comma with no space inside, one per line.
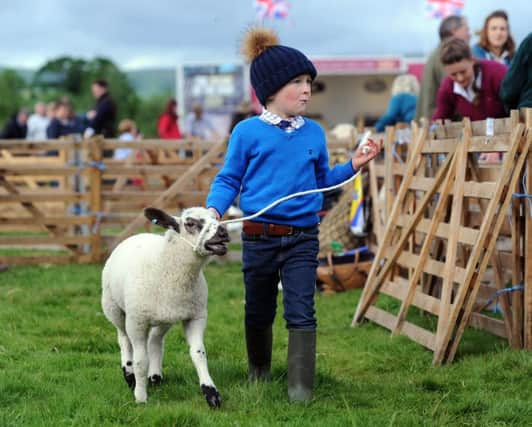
(198,226)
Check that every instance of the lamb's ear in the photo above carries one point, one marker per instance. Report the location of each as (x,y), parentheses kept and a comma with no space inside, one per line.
(161,218)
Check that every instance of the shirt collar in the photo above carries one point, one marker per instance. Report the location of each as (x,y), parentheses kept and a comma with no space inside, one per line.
(468,92)
(275,120)
(501,58)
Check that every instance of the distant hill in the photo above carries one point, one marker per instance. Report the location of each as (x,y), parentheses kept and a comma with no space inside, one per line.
(25,73)
(147,83)
(155,81)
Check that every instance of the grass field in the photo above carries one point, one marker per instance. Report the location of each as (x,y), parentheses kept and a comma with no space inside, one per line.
(59,366)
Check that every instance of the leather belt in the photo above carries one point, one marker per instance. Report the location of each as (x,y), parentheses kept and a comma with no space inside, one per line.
(260,228)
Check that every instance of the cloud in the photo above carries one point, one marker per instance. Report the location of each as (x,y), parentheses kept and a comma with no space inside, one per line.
(166,32)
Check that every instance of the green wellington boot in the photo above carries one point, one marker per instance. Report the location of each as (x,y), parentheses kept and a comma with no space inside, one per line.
(301,364)
(259,347)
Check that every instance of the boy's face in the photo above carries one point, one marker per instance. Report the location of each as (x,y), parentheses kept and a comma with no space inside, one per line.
(292,99)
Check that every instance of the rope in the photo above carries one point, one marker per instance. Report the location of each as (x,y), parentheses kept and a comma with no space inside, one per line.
(290,196)
(395,153)
(96,226)
(498,293)
(90,164)
(362,143)
(98,165)
(194,246)
(524,194)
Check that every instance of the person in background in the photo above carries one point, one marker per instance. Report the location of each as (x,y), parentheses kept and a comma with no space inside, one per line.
(167,124)
(402,105)
(496,43)
(433,73)
(65,122)
(37,123)
(516,88)
(17,126)
(471,88)
(102,119)
(127,132)
(50,110)
(278,153)
(199,126)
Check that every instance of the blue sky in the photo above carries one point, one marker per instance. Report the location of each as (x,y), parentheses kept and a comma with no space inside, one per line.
(164,33)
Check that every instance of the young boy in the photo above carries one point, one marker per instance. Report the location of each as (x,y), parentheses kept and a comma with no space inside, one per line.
(270,156)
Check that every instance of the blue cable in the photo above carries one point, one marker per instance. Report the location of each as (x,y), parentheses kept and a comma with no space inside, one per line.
(97,165)
(498,293)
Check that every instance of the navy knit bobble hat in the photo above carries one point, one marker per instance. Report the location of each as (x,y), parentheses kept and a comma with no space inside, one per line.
(272,65)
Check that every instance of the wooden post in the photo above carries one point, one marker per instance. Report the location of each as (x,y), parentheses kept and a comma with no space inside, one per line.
(95,182)
(388,171)
(516,340)
(452,244)
(528,244)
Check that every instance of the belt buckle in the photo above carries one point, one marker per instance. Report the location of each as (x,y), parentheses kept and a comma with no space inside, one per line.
(290,230)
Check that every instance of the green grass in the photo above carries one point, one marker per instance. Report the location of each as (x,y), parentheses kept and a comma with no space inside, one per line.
(59,366)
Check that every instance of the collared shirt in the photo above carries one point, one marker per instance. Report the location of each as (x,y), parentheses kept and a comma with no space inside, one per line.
(288,125)
(468,92)
(503,59)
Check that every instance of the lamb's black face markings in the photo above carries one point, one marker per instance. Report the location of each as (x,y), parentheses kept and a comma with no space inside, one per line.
(194,225)
(161,218)
(218,243)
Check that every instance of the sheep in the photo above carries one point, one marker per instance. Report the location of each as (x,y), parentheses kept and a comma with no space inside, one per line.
(150,282)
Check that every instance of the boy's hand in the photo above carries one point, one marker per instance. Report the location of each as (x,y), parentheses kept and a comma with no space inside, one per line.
(215,213)
(365,153)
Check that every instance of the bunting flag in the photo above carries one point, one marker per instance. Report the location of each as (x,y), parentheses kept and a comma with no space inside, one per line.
(271,9)
(440,9)
(356,215)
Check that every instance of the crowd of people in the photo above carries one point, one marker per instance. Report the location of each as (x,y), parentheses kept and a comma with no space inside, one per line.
(483,81)
(58,118)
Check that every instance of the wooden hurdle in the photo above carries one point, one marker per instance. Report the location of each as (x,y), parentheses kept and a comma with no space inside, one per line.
(38,192)
(105,198)
(467,248)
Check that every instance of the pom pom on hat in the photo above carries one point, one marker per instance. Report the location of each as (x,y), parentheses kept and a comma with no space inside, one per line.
(256,41)
(272,65)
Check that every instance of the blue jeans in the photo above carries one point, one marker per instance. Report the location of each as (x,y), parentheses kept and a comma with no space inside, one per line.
(294,260)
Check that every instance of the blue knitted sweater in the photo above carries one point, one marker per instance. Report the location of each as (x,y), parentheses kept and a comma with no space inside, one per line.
(265,163)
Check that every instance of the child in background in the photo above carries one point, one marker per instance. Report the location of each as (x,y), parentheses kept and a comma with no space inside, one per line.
(128,132)
(269,156)
(402,104)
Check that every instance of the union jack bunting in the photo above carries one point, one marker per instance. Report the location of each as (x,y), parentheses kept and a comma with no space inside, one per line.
(271,9)
(440,9)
